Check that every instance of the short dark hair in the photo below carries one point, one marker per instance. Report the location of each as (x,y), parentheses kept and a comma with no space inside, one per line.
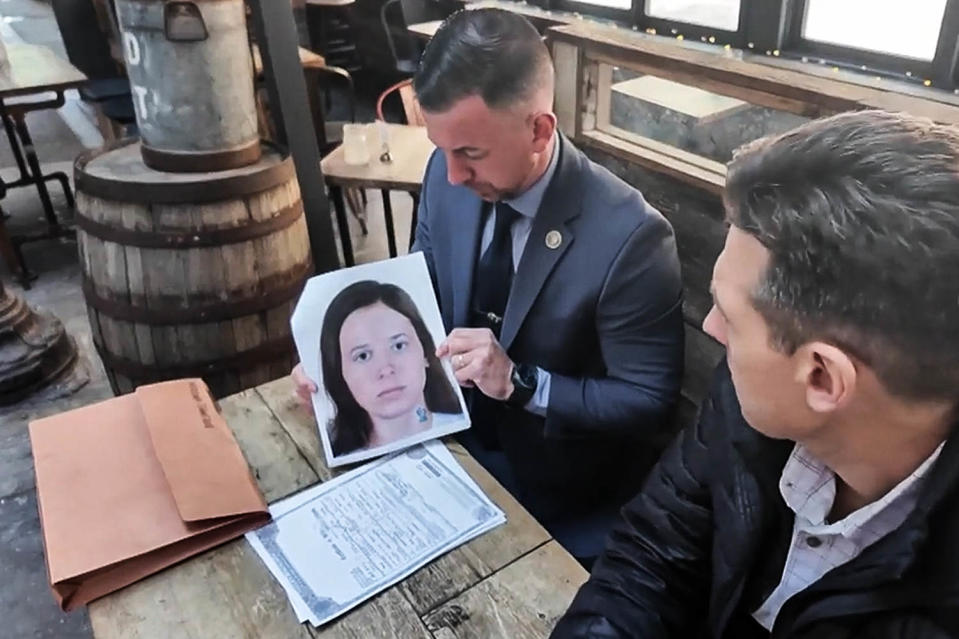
(351,426)
(495,54)
(860,214)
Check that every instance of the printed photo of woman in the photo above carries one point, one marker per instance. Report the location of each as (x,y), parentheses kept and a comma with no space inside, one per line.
(380,370)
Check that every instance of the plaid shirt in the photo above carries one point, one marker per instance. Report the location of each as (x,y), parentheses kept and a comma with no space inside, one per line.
(809,489)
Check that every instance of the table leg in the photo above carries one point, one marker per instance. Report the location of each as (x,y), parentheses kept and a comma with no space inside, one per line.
(336,194)
(388,214)
(413,218)
(36,173)
(15,148)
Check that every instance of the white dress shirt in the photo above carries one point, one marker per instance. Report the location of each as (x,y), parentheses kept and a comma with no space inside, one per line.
(809,489)
(527,204)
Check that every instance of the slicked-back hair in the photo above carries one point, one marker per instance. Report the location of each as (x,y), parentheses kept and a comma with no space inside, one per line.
(495,54)
(860,214)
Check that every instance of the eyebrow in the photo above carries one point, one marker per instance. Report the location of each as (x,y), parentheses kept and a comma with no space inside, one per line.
(399,335)
(468,149)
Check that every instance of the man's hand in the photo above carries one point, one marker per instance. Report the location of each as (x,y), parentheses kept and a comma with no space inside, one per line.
(305,387)
(479,360)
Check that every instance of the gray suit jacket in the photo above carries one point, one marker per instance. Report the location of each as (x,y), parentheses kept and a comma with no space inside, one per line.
(601,313)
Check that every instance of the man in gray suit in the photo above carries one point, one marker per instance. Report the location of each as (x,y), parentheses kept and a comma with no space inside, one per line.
(559,283)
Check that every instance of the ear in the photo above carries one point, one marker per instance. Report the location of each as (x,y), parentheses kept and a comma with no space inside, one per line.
(829,375)
(544,125)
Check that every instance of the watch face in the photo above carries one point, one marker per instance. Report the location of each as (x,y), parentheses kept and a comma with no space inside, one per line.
(528,375)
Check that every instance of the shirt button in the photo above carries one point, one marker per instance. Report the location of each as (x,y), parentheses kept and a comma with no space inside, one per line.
(813,542)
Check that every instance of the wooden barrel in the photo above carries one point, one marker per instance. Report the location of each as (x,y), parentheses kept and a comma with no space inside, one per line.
(191,77)
(190,274)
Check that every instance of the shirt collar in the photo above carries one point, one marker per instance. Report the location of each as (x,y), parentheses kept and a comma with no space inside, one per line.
(809,489)
(527,202)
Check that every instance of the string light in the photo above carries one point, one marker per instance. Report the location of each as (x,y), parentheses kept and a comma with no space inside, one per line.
(680,37)
(750,45)
(908,74)
(727,47)
(776,52)
(927,83)
(805,59)
(835,69)
(712,39)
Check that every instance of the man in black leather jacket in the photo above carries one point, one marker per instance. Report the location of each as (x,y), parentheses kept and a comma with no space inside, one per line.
(817,495)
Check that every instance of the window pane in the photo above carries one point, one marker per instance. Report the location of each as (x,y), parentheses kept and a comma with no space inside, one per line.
(904,29)
(613,4)
(720,14)
(686,118)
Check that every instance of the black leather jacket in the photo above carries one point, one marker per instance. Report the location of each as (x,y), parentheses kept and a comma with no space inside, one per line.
(695,552)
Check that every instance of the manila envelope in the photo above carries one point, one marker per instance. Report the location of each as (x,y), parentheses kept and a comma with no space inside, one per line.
(137,483)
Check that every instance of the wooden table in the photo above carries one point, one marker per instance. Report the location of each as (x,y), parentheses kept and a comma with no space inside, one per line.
(31,70)
(514,581)
(410,149)
(424,30)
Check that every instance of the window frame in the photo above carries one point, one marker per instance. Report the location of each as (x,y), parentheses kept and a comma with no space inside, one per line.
(850,57)
(768,26)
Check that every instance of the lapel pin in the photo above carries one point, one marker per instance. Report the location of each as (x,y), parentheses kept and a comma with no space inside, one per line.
(554,239)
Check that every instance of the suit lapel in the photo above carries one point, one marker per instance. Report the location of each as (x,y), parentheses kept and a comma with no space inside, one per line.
(466,221)
(561,202)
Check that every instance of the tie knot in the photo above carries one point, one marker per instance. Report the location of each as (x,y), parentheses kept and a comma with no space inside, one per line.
(505,216)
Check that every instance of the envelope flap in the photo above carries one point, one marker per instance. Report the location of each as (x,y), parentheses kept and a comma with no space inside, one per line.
(206,471)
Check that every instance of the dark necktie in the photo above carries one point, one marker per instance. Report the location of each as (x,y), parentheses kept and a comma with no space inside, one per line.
(494,272)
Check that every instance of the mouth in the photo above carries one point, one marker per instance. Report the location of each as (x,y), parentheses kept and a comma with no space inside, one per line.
(390,393)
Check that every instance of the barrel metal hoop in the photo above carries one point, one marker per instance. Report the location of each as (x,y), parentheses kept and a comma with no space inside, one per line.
(195,191)
(269,350)
(213,312)
(200,161)
(190,238)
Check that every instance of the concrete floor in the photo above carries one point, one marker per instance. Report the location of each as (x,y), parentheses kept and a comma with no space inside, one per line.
(26,604)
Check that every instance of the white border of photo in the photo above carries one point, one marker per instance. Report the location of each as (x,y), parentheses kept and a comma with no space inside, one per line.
(409,273)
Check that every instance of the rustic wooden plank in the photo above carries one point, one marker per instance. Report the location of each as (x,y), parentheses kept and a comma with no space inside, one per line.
(276,462)
(669,150)
(226,214)
(604,95)
(688,173)
(137,217)
(566,61)
(462,567)
(297,421)
(385,616)
(226,593)
(588,97)
(525,599)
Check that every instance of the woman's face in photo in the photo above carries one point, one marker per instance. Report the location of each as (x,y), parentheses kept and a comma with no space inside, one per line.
(383,361)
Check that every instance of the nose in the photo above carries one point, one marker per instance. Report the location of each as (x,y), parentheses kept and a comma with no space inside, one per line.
(457,172)
(714,326)
(386,369)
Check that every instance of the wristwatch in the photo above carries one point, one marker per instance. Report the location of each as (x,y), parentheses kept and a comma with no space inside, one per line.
(525,377)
